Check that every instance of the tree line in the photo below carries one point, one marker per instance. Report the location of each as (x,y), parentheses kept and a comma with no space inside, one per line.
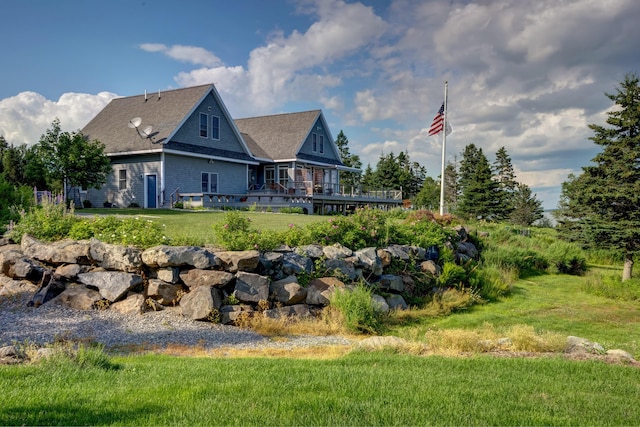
(57,162)
(475,190)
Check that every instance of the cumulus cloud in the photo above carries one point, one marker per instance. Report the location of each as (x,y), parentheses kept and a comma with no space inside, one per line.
(289,66)
(26,116)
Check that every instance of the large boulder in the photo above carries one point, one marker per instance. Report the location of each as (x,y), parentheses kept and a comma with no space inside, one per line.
(369,260)
(293,263)
(319,290)
(116,257)
(175,256)
(342,267)
(232,314)
(70,271)
(287,291)
(311,251)
(50,287)
(336,251)
(61,252)
(251,287)
(234,261)
(196,277)
(396,302)
(390,283)
(164,293)
(78,296)
(9,286)
(112,285)
(380,305)
(270,264)
(200,303)
(167,274)
(133,304)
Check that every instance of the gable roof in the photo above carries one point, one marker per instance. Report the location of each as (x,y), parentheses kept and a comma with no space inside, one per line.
(166,112)
(280,136)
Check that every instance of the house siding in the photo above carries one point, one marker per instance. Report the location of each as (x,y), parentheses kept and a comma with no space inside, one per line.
(189,132)
(185,173)
(307,146)
(136,168)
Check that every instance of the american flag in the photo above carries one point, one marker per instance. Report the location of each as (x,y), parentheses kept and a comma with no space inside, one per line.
(438,122)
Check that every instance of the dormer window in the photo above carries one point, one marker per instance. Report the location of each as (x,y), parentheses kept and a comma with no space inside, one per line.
(321,144)
(314,142)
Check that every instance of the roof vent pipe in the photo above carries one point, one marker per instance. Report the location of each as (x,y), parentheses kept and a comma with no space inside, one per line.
(145,95)
(158,94)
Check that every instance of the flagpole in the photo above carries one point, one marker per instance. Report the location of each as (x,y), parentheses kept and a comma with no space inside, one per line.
(444,148)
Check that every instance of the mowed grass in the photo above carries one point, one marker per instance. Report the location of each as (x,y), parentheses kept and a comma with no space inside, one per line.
(196,227)
(358,389)
(548,303)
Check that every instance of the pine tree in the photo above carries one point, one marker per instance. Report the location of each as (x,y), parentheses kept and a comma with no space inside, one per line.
(505,176)
(527,209)
(351,179)
(478,189)
(600,207)
(451,187)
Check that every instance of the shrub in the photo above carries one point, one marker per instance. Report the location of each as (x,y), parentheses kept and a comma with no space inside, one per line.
(452,275)
(566,258)
(491,282)
(48,221)
(357,309)
(87,204)
(135,231)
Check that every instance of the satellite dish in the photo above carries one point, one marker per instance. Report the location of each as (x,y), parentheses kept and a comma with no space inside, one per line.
(147,131)
(135,122)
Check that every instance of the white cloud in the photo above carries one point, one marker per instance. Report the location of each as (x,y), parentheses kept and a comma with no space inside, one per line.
(26,116)
(288,67)
(190,54)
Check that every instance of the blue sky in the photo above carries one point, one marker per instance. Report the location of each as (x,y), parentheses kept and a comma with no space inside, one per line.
(526,75)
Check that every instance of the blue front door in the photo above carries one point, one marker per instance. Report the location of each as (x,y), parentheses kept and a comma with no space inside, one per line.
(151,191)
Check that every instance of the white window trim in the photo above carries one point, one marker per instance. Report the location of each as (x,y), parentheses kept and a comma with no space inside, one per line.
(121,180)
(211,177)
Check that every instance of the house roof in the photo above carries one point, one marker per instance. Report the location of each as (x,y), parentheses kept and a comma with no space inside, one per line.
(278,137)
(164,111)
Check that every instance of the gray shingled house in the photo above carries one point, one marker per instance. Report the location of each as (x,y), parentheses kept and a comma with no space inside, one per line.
(183,145)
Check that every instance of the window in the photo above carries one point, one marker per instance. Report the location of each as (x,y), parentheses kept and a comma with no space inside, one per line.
(321,144)
(314,142)
(283,175)
(269,176)
(215,127)
(122,179)
(209,182)
(204,126)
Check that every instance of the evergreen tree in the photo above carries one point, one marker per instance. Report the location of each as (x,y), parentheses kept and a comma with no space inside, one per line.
(14,164)
(478,189)
(429,195)
(388,171)
(507,185)
(600,207)
(411,175)
(351,179)
(451,187)
(527,209)
(3,146)
(369,178)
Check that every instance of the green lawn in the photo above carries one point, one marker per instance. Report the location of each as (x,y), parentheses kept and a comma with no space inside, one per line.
(195,227)
(554,303)
(359,389)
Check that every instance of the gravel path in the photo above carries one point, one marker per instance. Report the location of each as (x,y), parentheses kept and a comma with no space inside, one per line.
(45,324)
